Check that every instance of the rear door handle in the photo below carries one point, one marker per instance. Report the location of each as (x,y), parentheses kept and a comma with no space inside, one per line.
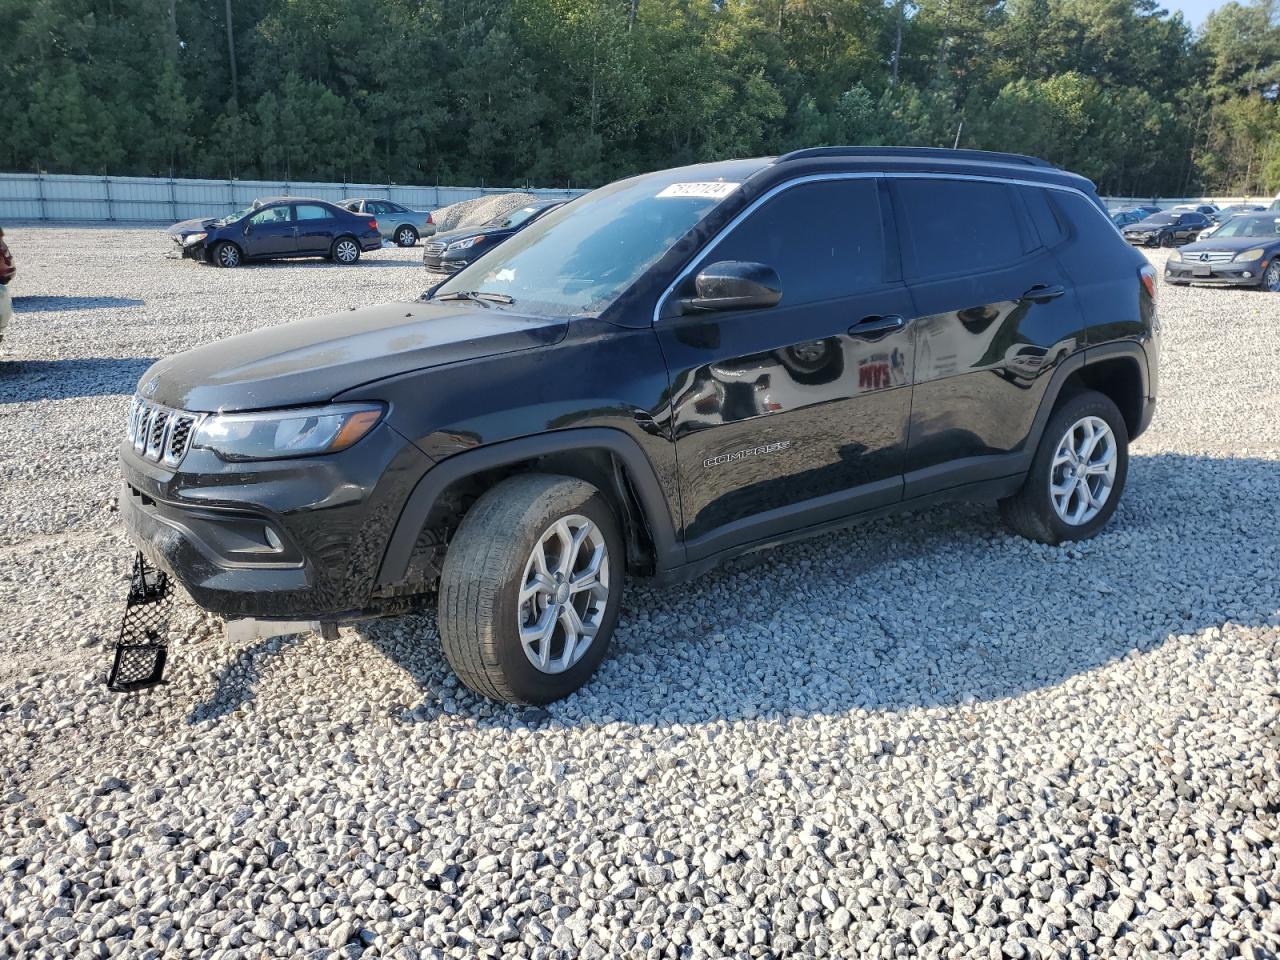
(877,325)
(1043,293)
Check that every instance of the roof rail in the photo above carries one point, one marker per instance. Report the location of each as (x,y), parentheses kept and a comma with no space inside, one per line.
(941,153)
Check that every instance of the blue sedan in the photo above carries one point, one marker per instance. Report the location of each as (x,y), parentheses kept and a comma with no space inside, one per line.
(277,229)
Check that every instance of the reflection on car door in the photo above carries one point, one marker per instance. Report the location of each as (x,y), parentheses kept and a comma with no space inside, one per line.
(271,233)
(796,413)
(995,313)
(316,227)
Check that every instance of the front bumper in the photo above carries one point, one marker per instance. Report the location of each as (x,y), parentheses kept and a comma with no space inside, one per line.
(1142,239)
(442,265)
(294,539)
(1225,274)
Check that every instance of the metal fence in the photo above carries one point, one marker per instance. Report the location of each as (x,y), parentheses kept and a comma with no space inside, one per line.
(33,196)
(1124,203)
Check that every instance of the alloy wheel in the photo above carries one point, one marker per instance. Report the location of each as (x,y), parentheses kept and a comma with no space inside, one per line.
(347,251)
(1271,279)
(229,256)
(563,594)
(405,237)
(1083,471)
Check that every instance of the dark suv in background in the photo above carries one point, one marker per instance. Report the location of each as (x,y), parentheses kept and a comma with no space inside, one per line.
(672,369)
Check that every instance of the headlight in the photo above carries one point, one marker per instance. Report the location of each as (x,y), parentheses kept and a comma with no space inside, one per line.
(1257,253)
(278,434)
(191,238)
(464,244)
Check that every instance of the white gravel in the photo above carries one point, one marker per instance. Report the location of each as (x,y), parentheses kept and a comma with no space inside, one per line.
(921,737)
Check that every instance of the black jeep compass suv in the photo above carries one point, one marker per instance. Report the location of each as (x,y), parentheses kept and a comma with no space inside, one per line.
(669,370)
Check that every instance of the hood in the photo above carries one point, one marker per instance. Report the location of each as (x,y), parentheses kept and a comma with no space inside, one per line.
(312,361)
(461,233)
(1145,225)
(191,226)
(1234,244)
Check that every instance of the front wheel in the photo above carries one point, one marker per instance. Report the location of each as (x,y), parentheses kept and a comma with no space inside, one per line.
(1167,240)
(406,236)
(530,589)
(1077,474)
(345,251)
(226,254)
(1271,279)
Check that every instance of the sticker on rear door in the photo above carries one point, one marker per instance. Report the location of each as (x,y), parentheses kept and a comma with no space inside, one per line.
(712,189)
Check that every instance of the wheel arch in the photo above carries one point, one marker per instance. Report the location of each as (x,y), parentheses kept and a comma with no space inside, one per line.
(1117,369)
(604,457)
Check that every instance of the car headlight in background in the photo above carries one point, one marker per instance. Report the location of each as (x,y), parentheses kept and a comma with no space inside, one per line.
(464,244)
(279,434)
(191,238)
(1257,253)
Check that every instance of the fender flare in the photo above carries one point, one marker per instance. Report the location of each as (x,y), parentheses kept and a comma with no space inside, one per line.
(644,480)
(1119,349)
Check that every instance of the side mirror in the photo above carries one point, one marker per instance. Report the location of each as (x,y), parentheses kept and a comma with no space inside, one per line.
(734,285)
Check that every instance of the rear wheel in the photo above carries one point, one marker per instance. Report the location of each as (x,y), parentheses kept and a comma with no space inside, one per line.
(226,254)
(345,251)
(1077,475)
(530,589)
(406,236)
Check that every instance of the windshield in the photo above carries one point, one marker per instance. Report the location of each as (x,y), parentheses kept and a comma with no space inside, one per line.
(1249,227)
(233,217)
(515,217)
(1164,218)
(579,258)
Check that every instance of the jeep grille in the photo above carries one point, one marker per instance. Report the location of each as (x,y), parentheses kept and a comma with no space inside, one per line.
(158,433)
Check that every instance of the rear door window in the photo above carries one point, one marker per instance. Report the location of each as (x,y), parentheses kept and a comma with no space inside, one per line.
(954,227)
(825,239)
(311,211)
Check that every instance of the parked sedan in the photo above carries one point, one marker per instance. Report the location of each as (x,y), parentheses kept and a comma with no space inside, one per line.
(1122,218)
(1244,253)
(7,272)
(277,229)
(1166,229)
(451,251)
(398,222)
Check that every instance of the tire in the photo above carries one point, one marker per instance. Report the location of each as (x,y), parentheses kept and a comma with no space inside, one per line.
(345,251)
(406,236)
(1031,512)
(480,612)
(1167,240)
(227,255)
(1270,282)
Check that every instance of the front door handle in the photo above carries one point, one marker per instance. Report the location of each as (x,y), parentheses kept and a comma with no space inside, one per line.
(1043,293)
(877,325)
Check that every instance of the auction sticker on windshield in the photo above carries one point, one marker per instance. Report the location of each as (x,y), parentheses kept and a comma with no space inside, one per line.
(714,189)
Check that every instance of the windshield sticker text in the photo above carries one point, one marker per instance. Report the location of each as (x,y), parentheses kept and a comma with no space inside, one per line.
(714,189)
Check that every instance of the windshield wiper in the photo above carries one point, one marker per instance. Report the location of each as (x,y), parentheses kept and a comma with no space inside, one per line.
(481,297)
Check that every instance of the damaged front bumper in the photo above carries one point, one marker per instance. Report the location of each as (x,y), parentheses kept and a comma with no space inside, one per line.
(296,540)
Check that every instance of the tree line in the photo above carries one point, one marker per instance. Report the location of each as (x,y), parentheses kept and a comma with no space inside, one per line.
(553,92)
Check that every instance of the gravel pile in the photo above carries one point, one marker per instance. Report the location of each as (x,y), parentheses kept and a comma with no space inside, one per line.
(472,213)
(920,737)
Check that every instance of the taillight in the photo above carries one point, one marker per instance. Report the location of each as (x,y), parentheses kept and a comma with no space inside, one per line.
(429,220)
(373,225)
(1148,276)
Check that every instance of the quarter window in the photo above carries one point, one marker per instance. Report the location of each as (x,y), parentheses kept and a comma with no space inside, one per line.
(825,239)
(957,226)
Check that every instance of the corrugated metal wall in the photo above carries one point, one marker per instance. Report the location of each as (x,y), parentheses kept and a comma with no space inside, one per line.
(28,196)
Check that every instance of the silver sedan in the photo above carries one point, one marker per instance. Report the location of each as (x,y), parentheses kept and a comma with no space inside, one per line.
(396,221)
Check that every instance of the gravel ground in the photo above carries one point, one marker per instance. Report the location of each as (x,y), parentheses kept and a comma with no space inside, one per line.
(921,737)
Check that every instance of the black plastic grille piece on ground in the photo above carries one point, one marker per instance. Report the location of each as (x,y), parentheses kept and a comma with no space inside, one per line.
(144,633)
